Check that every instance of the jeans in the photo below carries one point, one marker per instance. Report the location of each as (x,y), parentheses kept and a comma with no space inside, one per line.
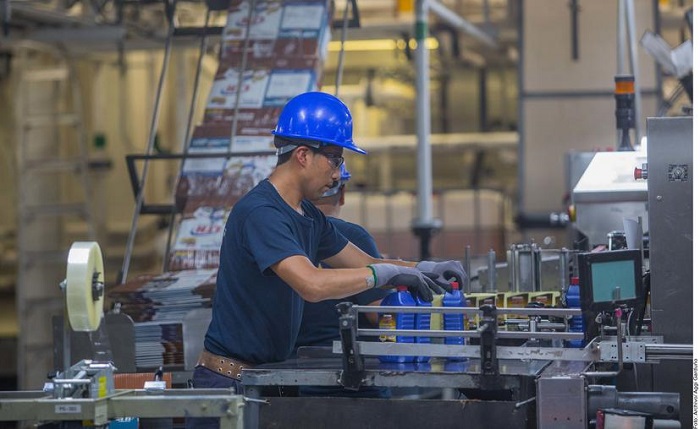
(203,378)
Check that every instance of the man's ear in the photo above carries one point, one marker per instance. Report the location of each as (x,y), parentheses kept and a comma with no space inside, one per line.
(302,154)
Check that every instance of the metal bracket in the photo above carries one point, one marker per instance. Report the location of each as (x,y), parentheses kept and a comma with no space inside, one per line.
(488,331)
(575,10)
(634,352)
(353,363)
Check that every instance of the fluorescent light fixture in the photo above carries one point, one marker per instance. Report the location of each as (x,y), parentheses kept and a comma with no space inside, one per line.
(380,45)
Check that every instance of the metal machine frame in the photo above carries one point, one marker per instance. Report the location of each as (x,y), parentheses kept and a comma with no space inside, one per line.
(524,376)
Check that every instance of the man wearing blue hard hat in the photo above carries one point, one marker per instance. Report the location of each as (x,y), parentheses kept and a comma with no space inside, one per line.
(275,239)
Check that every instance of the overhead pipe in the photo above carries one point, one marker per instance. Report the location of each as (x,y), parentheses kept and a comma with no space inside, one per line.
(457,21)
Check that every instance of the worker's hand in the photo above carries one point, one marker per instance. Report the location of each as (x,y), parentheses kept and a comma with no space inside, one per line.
(444,272)
(418,283)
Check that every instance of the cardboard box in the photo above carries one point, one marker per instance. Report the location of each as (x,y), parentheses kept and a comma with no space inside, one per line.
(262,89)
(208,139)
(477,300)
(276,19)
(264,20)
(224,89)
(285,84)
(546,298)
(290,53)
(251,122)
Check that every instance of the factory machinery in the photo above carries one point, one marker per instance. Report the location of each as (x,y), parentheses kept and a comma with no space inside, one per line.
(523,367)
(524,363)
(515,378)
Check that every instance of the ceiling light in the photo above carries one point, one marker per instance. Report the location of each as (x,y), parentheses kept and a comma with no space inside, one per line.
(380,45)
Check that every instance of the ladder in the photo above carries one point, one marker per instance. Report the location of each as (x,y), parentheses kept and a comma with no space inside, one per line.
(53,193)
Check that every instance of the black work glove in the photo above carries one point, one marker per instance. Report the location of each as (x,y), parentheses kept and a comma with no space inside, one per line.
(418,283)
(444,272)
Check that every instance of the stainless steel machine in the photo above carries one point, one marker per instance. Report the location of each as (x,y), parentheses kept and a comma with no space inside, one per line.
(537,385)
(670,182)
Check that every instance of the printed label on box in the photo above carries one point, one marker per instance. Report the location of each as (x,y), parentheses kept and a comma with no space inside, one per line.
(252,144)
(204,231)
(264,22)
(302,20)
(285,84)
(224,90)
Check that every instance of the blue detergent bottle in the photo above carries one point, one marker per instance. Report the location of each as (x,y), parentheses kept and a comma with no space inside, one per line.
(403,298)
(573,300)
(423,323)
(454,322)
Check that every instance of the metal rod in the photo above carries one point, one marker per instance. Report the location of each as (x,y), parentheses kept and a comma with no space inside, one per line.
(188,133)
(341,53)
(492,271)
(472,334)
(241,73)
(563,270)
(512,263)
(574,30)
(373,348)
(558,312)
(620,37)
(468,269)
(669,350)
(632,46)
(149,150)
(423,155)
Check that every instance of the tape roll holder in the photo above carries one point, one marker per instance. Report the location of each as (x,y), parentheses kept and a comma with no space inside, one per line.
(97,287)
(84,291)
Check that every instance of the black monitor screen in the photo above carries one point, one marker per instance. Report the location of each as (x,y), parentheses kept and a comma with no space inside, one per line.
(610,278)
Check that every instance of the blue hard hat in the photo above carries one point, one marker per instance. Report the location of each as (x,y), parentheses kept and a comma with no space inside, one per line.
(344,173)
(319,117)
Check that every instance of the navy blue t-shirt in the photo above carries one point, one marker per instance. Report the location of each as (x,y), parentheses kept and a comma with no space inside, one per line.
(319,326)
(256,315)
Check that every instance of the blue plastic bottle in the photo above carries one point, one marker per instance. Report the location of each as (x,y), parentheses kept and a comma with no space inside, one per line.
(401,298)
(573,300)
(454,322)
(423,323)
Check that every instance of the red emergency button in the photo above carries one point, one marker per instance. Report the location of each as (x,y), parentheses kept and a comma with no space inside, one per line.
(640,173)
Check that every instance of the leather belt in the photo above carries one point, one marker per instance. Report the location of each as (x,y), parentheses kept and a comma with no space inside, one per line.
(227,367)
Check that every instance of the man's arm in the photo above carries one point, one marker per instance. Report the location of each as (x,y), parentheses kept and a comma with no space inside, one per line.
(315,284)
(352,257)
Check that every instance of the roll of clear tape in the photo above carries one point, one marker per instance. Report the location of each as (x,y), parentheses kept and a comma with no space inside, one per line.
(85,266)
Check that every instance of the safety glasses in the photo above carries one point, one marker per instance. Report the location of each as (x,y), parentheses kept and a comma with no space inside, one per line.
(334,160)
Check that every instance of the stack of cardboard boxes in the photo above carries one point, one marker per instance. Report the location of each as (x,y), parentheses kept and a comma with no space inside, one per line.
(268,55)
(275,51)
